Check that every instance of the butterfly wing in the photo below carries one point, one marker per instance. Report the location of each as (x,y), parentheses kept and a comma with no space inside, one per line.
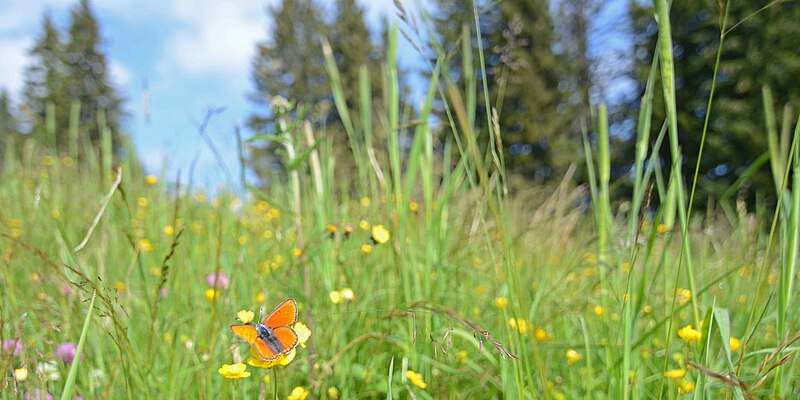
(246,332)
(287,336)
(264,350)
(284,315)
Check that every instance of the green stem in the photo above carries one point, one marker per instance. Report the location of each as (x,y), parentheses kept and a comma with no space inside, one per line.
(274,383)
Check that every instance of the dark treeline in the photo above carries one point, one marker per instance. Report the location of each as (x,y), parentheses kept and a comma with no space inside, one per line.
(547,66)
(68,99)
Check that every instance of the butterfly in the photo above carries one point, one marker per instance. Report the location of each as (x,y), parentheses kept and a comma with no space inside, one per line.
(274,337)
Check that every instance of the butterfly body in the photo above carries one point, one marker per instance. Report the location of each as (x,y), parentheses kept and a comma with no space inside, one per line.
(267,334)
(274,337)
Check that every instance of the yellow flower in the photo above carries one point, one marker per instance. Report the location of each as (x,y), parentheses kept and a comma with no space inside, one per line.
(365,201)
(273,213)
(348,295)
(661,228)
(416,379)
(297,252)
(573,356)
(684,295)
(685,386)
(168,230)
(260,297)
(212,294)
(200,198)
(142,202)
(336,297)
(380,234)
(150,180)
(413,206)
(303,333)
(598,309)
(540,334)
(145,245)
(47,161)
(120,286)
(512,323)
(20,374)
(462,357)
(298,393)
(500,302)
(55,214)
(67,161)
(283,360)
(675,374)
(366,249)
(689,334)
(245,316)
(234,371)
(333,393)
(735,344)
(363,224)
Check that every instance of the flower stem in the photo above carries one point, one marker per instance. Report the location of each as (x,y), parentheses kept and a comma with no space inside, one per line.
(274,383)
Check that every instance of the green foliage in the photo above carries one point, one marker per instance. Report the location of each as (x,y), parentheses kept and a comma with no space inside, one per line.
(87,79)
(759,48)
(66,75)
(522,74)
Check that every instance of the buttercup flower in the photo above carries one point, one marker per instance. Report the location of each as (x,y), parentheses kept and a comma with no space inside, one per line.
(66,352)
(336,297)
(298,393)
(211,294)
(416,379)
(684,295)
(150,180)
(675,373)
(366,249)
(685,386)
(380,234)
(598,309)
(21,374)
(303,333)
(500,302)
(245,316)
(573,356)
(689,334)
(234,371)
(735,344)
(255,359)
(220,280)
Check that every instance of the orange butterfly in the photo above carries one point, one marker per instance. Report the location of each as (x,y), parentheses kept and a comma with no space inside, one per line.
(274,337)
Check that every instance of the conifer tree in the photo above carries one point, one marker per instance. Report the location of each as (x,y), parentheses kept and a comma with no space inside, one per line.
(291,65)
(44,81)
(87,79)
(8,124)
(352,49)
(760,50)
(534,113)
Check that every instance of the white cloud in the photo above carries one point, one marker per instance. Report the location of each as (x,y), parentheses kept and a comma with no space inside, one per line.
(121,75)
(14,53)
(214,39)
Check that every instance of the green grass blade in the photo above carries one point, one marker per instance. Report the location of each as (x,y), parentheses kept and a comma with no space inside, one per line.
(69,385)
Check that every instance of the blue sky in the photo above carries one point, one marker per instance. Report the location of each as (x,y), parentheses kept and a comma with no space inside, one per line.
(190,54)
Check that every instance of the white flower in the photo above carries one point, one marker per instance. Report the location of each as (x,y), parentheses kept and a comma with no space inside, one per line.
(48,370)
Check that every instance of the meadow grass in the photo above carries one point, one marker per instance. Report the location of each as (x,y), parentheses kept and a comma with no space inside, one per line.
(475,291)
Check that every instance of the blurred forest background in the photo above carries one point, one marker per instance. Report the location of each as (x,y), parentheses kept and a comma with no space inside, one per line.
(546,67)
